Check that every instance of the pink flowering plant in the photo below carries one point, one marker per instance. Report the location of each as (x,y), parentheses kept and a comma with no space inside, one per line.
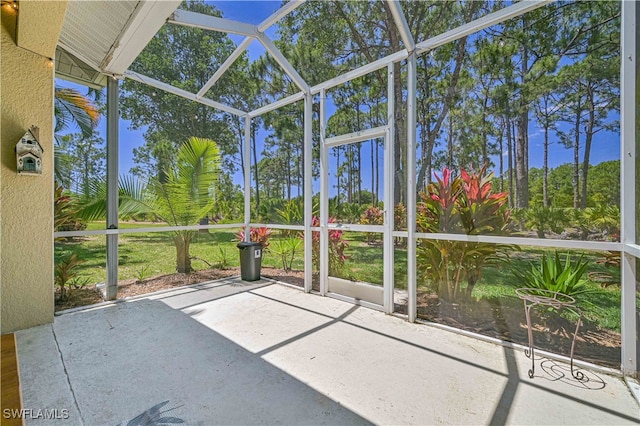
(337,246)
(463,204)
(372,216)
(257,235)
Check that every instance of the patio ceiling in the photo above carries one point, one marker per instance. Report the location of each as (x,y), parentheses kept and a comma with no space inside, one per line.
(101,38)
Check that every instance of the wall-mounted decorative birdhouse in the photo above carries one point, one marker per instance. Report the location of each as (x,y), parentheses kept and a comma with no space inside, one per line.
(29,153)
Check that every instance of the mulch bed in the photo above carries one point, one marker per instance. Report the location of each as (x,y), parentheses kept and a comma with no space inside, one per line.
(90,295)
(504,319)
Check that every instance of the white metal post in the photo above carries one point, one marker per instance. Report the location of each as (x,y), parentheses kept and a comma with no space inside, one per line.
(247,177)
(324,196)
(111,287)
(628,183)
(389,202)
(308,191)
(411,185)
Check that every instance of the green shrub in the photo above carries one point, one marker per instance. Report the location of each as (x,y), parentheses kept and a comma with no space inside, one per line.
(337,246)
(554,275)
(287,249)
(545,219)
(291,214)
(372,216)
(65,273)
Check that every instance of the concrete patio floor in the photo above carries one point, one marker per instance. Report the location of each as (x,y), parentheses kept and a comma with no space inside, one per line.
(229,352)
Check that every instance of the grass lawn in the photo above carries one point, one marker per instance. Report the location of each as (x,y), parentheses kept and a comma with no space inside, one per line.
(146,255)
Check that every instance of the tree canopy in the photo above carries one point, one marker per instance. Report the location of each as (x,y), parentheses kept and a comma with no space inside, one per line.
(547,78)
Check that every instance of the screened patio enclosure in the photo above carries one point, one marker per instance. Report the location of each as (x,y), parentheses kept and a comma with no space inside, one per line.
(437,106)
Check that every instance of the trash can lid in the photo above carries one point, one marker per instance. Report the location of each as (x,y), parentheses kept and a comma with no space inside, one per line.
(243,244)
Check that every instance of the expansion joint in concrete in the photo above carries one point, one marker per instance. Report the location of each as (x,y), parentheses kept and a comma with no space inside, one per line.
(66,374)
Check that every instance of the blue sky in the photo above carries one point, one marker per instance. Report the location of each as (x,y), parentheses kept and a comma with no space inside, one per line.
(606,145)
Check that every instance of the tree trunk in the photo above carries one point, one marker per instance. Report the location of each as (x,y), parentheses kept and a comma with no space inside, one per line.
(350,173)
(576,159)
(373,174)
(485,139)
(512,200)
(377,180)
(545,167)
(424,122)
(288,175)
(182,241)
(522,182)
(255,167)
(359,176)
(450,144)
(374,158)
(471,283)
(399,140)
(337,179)
(522,140)
(425,169)
(501,157)
(587,145)
(242,142)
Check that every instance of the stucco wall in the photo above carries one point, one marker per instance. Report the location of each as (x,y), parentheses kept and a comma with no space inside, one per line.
(26,202)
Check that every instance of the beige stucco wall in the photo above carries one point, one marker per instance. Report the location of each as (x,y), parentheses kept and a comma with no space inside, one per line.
(26,202)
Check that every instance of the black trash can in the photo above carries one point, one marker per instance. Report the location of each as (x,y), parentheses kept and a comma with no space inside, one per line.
(250,260)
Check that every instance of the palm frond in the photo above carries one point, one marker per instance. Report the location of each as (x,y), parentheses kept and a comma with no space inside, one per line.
(188,193)
(131,199)
(71,107)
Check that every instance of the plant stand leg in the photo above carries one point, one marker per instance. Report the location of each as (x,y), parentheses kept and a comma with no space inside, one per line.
(529,352)
(577,374)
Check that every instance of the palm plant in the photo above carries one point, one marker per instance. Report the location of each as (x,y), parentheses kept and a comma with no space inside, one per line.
(291,214)
(544,219)
(70,107)
(181,196)
(186,193)
(602,218)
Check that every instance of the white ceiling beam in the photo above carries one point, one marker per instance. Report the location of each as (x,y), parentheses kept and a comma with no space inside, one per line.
(147,21)
(401,23)
(283,62)
(181,92)
(279,14)
(225,66)
(275,105)
(363,135)
(208,22)
(480,24)
(359,72)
